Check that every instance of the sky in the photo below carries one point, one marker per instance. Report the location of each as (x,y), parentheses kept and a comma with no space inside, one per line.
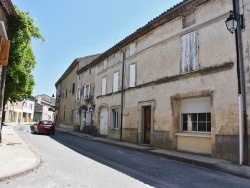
(78,28)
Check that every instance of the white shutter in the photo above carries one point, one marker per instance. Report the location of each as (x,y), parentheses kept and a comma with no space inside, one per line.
(189,52)
(88,118)
(84,92)
(88,90)
(115,81)
(104,83)
(132,75)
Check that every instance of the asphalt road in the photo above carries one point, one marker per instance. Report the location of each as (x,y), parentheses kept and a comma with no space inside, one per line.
(69,161)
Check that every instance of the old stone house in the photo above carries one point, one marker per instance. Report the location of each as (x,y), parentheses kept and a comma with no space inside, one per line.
(174,83)
(69,90)
(85,106)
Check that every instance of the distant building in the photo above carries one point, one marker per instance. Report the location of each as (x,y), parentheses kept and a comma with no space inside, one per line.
(44,108)
(20,112)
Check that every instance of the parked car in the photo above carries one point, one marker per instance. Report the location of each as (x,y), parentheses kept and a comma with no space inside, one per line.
(44,127)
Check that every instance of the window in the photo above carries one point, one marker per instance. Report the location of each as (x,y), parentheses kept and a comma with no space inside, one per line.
(88,118)
(78,94)
(73,88)
(66,93)
(132,49)
(196,115)
(198,122)
(132,75)
(114,118)
(188,20)
(86,91)
(189,52)
(117,57)
(104,85)
(89,70)
(115,82)
(105,64)
(72,111)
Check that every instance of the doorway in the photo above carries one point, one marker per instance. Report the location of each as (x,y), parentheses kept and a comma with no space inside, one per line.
(104,121)
(147,124)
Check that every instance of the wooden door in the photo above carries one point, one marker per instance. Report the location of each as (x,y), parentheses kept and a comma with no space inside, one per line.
(147,124)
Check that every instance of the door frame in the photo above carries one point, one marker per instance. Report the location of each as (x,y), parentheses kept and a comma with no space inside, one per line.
(99,119)
(141,106)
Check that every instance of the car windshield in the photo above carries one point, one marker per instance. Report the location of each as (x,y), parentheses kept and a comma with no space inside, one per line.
(46,122)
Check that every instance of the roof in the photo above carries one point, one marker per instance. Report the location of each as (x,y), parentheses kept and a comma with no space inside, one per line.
(183,8)
(8,7)
(71,67)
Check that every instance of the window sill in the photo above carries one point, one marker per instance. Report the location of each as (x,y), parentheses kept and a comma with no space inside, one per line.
(204,135)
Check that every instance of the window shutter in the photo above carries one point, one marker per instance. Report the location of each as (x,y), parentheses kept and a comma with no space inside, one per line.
(4,53)
(84,92)
(132,75)
(115,81)
(104,82)
(189,52)
(88,90)
(132,49)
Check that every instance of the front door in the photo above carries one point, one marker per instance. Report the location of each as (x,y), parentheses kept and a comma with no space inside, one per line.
(103,121)
(147,124)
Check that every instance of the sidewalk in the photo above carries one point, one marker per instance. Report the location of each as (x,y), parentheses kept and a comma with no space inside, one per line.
(16,157)
(207,162)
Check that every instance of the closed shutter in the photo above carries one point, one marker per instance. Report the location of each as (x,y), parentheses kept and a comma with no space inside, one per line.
(115,81)
(196,105)
(132,75)
(104,82)
(189,52)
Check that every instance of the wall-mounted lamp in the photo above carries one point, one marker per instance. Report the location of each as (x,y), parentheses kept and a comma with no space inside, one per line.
(233,20)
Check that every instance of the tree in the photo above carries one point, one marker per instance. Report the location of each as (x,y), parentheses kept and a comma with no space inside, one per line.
(19,79)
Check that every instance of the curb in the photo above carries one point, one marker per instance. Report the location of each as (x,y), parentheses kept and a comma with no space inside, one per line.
(198,163)
(36,165)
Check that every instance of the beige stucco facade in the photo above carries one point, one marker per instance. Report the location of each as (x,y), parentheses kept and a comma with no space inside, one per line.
(180,82)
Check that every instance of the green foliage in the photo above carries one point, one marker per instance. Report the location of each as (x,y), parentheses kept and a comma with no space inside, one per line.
(19,79)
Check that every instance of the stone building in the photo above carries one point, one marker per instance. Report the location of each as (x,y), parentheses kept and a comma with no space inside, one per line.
(68,87)
(6,9)
(174,83)
(44,108)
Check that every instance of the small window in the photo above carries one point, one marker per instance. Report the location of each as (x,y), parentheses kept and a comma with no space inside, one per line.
(89,70)
(105,64)
(117,57)
(114,118)
(132,49)
(189,52)
(104,85)
(72,111)
(115,82)
(66,93)
(73,88)
(132,75)
(188,20)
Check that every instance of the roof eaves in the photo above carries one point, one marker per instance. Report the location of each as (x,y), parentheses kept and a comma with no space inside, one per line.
(8,7)
(172,13)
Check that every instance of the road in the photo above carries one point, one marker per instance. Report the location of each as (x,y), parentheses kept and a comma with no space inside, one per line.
(70,161)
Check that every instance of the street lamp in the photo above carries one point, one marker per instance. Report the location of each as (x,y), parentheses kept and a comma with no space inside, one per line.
(233,20)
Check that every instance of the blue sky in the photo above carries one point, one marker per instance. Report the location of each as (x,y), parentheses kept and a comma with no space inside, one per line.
(78,28)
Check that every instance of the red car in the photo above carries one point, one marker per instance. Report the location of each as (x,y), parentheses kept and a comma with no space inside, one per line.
(44,127)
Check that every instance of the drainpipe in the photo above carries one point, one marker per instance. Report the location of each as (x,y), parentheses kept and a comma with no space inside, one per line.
(122,90)
(243,137)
